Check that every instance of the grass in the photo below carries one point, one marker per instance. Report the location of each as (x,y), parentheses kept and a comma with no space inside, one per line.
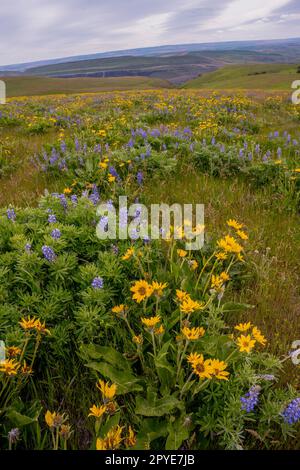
(253,76)
(35,86)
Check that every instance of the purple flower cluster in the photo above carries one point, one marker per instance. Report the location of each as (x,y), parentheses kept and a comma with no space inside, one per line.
(28,247)
(11,215)
(56,234)
(97,283)
(291,414)
(140,178)
(52,219)
(48,253)
(250,399)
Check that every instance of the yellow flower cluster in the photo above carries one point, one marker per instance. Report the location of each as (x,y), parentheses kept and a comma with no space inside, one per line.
(208,368)
(246,342)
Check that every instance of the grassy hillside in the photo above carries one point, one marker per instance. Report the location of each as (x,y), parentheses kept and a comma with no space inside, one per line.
(30,86)
(254,76)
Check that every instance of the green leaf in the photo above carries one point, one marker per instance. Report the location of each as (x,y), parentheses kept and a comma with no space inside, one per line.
(164,369)
(236,307)
(107,354)
(154,406)
(125,381)
(151,429)
(177,434)
(17,419)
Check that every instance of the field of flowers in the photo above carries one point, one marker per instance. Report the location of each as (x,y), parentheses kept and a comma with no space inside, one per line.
(141,344)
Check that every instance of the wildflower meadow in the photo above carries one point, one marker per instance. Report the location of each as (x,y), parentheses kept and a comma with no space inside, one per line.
(137,343)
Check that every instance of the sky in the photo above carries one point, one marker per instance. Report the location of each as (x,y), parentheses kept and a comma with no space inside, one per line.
(46,29)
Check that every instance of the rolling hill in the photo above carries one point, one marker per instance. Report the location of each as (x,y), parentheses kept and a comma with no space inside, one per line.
(254,76)
(31,86)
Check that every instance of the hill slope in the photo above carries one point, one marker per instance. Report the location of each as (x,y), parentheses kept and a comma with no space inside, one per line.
(254,76)
(31,86)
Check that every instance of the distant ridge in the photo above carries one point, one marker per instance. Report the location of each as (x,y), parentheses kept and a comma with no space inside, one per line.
(158,50)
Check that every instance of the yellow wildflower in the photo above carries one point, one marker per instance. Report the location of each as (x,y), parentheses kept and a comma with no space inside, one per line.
(258,336)
(158,288)
(242,235)
(243,327)
(97,411)
(108,391)
(120,310)
(129,253)
(28,324)
(182,295)
(192,334)
(219,369)
(130,440)
(234,224)
(245,343)
(151,322)
(9,367)
(200,367)
(229,245)
(141,290)
(182,253)
(189,306)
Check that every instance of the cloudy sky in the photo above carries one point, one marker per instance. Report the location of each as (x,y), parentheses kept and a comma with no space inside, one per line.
(44,29)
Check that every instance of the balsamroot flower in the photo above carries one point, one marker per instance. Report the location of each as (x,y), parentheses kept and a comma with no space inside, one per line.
(108,391)
(141,291)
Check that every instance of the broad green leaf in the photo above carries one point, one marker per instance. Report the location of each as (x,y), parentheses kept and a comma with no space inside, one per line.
(177,434)
(125,381)
(107,354)
(156,406)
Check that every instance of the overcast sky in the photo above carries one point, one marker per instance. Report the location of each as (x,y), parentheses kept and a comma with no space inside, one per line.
(44,29)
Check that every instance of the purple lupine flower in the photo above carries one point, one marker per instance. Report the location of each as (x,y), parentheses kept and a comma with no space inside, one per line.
(63,200)
(97,283)
(11,215)
(291,413)
(54,156)
(279,152)
(74,199)
(48,253)
(28,247)
(257,148)
(250,399)
(140,178)
(94,197)
(52,219)
(213,141)
(77,145)
(115,249)
(267,377)
(241,153)
(56,234)
(63,146)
